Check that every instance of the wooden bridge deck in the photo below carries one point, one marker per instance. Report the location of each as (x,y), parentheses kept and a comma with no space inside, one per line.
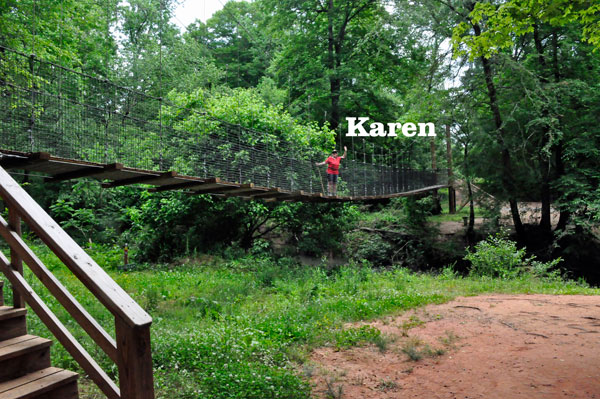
(56,169)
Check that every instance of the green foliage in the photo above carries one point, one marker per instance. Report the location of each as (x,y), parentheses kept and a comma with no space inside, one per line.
(242,54)
(496,257)
(349,337)
(516,18)
(316,229)
(499,257)
(398,234)
(361,245)
(417,211)
(226,329)
(173,224)
(248,108)
(69,32)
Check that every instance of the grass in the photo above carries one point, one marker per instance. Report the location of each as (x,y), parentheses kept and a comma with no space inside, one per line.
(416,349)
(456,217)
(241,329)
(387,385)
(449,339)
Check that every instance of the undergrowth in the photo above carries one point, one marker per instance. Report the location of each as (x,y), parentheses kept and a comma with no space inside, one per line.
(242,328)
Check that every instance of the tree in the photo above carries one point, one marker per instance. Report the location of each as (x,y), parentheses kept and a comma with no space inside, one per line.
(464,33)
(72,33)
(236,41)
(336,55)
(547,31)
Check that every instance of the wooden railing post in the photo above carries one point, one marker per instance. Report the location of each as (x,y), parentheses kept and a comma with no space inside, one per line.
(16,262)
(134,360)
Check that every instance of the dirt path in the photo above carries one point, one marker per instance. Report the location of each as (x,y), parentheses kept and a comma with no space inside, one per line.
(499,346)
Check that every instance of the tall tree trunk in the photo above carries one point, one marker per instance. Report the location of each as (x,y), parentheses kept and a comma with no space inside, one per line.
(437,206)
(507,173)
(334,79)
(545,222)
(565,215)
(471,227)
(451,190)
(545,197)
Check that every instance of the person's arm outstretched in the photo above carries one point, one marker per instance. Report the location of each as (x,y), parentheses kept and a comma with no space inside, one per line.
(321,163)
(345,150)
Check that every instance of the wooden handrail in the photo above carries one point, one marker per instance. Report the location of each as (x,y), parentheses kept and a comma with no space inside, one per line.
(112,296)
(130,350)
(58,329)
(64,297)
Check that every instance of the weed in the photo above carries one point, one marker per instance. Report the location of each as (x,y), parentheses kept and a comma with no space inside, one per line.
(308,370)
(412,322)
(433,352)
(297,354)
(498,256)
(152,297)
(449,339)
(387,385)
(334,391)
(416,349)
(411,349)
(382,341)
(356,336)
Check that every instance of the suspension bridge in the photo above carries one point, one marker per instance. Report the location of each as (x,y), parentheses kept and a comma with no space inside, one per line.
(65,124)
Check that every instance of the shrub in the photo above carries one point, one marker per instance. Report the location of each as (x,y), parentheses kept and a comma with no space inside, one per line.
(498,256)
(371,247)
(417,211)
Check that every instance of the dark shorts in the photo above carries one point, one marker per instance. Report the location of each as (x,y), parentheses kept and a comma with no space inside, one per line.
(332,178)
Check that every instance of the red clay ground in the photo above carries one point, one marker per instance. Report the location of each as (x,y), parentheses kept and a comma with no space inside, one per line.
(498,346)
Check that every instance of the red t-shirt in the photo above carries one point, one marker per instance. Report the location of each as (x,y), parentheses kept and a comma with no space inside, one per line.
(333,165)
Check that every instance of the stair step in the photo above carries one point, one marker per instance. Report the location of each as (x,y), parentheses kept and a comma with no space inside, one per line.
(47,383)
(8,312)
(12,322)
(23,355)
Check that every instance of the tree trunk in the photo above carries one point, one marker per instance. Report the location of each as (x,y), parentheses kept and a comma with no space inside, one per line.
(545,197)
(507,173)
(334,80)
(565,215)
(545,223)
(471,227)
(451,191)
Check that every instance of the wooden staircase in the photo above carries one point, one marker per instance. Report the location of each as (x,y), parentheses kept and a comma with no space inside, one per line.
(25,370)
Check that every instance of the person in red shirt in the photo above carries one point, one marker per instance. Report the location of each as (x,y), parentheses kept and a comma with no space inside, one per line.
(333,170)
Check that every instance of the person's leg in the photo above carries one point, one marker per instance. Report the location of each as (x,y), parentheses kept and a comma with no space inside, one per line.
(334,185)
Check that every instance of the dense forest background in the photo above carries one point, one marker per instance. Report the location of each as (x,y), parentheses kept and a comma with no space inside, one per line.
(515,83)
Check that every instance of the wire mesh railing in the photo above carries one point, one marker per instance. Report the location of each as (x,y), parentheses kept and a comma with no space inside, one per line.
(50,108)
